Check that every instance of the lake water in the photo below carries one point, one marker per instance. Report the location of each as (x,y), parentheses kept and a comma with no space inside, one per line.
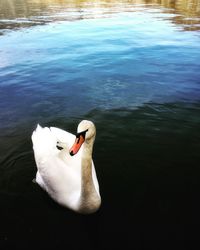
(132,67)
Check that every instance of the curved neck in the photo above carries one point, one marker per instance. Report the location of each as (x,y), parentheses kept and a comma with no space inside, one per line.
(86,169)
(89,196)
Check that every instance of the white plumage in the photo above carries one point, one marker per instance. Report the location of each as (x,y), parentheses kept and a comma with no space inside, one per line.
(69,180)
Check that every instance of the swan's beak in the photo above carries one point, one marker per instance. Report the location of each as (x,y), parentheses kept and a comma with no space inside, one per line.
(80,138)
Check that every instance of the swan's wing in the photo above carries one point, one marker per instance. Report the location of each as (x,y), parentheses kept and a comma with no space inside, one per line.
(63,136)
(44,146)
(44,143)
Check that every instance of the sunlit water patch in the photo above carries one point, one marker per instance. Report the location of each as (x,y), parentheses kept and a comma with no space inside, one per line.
(70,68)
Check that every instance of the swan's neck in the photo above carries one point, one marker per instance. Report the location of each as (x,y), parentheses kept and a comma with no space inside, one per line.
(89,198)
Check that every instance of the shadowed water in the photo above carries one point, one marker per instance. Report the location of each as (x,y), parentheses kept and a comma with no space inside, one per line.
(132,67)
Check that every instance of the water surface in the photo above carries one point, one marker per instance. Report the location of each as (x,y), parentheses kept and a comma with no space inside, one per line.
(133,68)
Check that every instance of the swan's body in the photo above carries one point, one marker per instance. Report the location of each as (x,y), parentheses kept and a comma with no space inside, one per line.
(69,178)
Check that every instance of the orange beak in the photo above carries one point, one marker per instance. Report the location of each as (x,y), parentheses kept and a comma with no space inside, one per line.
(76,146)
(80,138)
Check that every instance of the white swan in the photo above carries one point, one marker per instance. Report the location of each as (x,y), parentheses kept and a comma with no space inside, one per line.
(67,172)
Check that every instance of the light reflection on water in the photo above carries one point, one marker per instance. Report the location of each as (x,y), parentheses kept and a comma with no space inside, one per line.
(21,13)
(104,63)
(134,70)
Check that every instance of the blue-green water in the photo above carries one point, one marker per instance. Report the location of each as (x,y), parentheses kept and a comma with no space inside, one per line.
(135,72)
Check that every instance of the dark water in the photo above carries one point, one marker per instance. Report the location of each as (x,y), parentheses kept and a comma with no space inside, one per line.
(133,67)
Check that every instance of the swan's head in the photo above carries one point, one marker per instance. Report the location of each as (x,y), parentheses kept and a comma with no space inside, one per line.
(87,128)
(86,131)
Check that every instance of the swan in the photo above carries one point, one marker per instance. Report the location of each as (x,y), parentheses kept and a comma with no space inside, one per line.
(65,169)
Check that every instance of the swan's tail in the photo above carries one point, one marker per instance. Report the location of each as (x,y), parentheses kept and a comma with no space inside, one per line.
(44,143)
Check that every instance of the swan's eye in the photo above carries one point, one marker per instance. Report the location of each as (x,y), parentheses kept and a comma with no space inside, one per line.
(81,134)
